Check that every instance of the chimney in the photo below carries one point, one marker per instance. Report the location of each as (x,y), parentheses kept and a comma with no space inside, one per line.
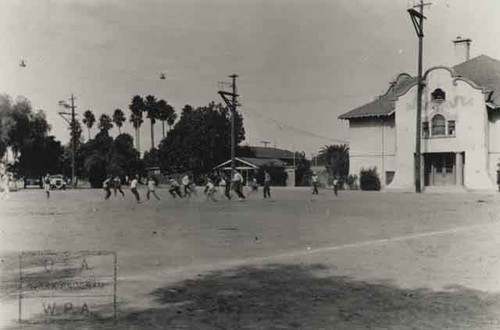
(462,49)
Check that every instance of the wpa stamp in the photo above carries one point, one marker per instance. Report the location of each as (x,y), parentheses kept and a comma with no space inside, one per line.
(57,286)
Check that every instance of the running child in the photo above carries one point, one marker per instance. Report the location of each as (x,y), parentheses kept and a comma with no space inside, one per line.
(175,189)
(151,188)
(335,186)
(254,185)
(106,186)
(238,185)
(226,183)
(210,190)
(133,188)
(315,183)
(117,185)
(186,183)
(6,185)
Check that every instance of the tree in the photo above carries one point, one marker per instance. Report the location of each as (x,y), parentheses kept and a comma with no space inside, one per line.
(171,119)
(302,169)
(119,119)
(40,155)
(24,120)
(123,158)
(76,134)
(6,123)
(105,123)
(88,120)
(96,157)
(137,107)
(151,158)
(200,140)
(166,113)
(26,133)
(336,158)
(151,108)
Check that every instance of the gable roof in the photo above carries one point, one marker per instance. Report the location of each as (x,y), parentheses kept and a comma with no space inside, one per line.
(483,70)
(265,152)
(384,105)
(253,163)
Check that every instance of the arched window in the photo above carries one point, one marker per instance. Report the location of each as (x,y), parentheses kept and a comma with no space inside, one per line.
(438,125)
(438,95)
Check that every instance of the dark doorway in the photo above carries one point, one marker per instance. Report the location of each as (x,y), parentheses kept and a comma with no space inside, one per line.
(440,169)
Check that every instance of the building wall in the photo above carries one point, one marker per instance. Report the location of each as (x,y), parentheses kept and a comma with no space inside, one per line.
(466,106)
(390,146)
(372,143)
(494,144)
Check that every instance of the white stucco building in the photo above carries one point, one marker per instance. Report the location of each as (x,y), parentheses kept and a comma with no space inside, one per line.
(460,138)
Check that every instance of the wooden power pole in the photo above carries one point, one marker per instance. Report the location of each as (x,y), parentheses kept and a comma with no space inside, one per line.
(231,101)
(417,18)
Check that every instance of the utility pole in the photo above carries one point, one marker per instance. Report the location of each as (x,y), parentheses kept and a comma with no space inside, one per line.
(232,104)
(73,181)
(417,18)
(72,124)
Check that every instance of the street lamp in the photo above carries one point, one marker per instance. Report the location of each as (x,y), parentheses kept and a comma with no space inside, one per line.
(417,18)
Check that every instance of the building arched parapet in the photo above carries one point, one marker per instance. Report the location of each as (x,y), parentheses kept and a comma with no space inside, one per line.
(456,77)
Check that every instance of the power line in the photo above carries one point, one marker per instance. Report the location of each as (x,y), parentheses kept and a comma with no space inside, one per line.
(282,125)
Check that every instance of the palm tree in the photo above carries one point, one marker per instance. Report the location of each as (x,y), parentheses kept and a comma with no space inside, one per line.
(118,119)
(88,120)
(105,122)
(137,107)
(165,111)
(336,158)
(171,119)
(151,108)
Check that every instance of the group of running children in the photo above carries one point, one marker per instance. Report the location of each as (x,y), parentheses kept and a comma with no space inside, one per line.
(187,187)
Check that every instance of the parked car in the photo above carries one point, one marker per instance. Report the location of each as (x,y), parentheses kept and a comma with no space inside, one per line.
(57,182)
(30,182)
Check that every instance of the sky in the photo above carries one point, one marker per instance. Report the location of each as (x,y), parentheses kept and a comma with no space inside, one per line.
(301,63)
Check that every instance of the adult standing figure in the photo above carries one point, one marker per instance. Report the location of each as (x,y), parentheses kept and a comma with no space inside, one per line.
(267,185)
(238,185)
(315,183)
(46,185)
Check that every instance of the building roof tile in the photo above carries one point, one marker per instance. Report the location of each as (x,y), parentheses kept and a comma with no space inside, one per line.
(483,70)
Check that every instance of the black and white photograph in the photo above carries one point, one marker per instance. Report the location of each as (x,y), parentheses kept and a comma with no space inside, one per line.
(249,164)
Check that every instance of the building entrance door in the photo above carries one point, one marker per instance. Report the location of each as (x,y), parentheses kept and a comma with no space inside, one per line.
(440,169)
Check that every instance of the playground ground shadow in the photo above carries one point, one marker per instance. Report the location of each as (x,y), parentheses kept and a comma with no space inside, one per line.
(301,297)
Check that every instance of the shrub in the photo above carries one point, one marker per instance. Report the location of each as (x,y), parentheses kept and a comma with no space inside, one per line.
(369,179)
(352,181)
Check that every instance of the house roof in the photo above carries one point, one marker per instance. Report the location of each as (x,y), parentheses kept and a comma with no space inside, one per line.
(483,70)
(265,152)
(254,163)
(383,105)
